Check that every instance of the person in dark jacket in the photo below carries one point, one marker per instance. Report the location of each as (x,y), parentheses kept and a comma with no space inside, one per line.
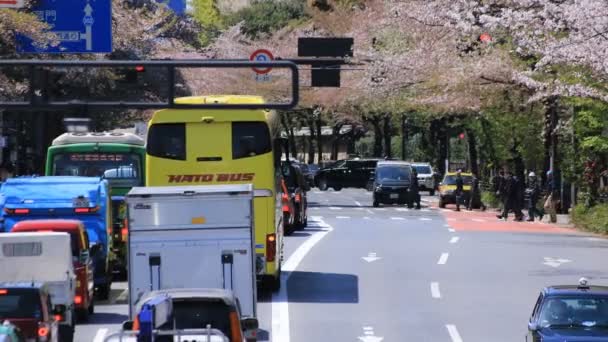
(475,195)
(517,198)
(459,192)
(532,195)
(507,192)
(414,189)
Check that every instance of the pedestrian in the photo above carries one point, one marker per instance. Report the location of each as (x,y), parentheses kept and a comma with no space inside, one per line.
(475,196)
(498,182)
(550,203)
(517,198)
(459,192)
(532,193)
(414,189)
(507,191)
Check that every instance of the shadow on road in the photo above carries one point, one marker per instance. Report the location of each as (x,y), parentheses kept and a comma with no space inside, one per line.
(316,287)
(106,318)
(263,335)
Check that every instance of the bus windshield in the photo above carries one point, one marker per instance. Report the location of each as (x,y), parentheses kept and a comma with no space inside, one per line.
(121,169)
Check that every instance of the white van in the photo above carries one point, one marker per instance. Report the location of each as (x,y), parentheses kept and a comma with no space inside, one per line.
(43,257)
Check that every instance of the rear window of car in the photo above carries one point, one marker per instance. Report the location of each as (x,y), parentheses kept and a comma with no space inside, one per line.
(250,139)
(167,140)
(423,169)
(196,314)
(20,303)
(451,180)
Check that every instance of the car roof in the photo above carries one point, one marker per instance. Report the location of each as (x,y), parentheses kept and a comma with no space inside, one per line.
(36,285)
(462,174)
(420,164)
(54,224)
(226,296)
(393,162)
(575,290)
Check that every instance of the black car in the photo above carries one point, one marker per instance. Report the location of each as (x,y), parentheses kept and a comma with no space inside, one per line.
(351,173)
(392,183)
(570,313)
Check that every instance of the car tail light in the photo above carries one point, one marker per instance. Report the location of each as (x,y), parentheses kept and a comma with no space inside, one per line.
(77,299)
(125,230)
(285,198)
(271,247)
(3,291)
(285,208)
(43,332)
(58,318)
(298,198)
(235,327)
(86,210)
(135,326)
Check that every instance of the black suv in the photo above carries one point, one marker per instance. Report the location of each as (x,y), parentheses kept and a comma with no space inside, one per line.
(351,173)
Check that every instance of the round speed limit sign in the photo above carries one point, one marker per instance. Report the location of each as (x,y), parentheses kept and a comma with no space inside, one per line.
(261,55)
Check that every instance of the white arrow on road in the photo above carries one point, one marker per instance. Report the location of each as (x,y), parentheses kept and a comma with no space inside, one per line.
(368,335)
(371,257)
(555,262)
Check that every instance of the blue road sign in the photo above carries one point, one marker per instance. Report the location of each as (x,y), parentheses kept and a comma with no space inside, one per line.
(177,6)
(82,26)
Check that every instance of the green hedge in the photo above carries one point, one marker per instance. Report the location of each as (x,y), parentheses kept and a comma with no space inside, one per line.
(490,199)
(593,219)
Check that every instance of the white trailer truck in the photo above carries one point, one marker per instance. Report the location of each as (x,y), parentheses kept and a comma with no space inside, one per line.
(192,237)
(47,258)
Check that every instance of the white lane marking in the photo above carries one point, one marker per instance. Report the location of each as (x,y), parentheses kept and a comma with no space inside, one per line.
(397,218)
(342,217)
(369,211)
(451,230)
(335,208)
(280,305)
(359,208)
(425,209)
(369,336)
(368,328)
(100,335)
(435,290)
(317,192)
(478,220)
(122,296)
(555,262)
(454,335)
(450,219)
(454,239)
(425,219)
(316,218)
(402,209)
(357,203)
(371,257)
(381,209)
(366,217)
(443,259)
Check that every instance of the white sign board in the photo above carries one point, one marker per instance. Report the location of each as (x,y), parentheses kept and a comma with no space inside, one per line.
(12,3)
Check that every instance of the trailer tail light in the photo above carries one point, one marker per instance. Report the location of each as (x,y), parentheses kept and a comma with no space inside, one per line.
(77,299)
(235,327)
(86,210)
(271,247)
(18,211)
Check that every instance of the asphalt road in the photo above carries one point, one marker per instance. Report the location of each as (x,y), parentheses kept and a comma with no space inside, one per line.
(359,273)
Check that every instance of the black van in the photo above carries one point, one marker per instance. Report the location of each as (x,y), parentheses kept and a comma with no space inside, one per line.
(351,173)
(392,183)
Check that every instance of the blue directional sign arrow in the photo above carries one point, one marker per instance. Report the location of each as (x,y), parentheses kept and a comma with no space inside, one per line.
(82,26)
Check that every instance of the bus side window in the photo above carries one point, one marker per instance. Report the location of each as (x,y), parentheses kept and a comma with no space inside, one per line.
(167,140)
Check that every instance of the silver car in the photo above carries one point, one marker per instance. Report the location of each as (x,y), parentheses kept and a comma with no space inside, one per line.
(425,177)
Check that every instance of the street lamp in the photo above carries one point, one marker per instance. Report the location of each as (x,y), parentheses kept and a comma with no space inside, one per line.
(77,125)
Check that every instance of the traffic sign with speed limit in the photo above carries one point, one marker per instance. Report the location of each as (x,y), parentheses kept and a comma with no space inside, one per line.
(261,55)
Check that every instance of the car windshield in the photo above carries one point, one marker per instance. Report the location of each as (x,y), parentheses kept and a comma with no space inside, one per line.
(584,311)
(423,169)
(395,173)
(20,303)
(121,169)
(451,180)
(197,314)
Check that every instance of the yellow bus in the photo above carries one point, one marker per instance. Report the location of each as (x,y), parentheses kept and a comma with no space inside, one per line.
(220,146)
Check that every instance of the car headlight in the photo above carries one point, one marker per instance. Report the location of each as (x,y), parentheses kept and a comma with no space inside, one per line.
(378,188)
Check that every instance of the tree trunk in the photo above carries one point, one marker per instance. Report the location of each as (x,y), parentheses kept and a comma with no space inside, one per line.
(404,136)
(292,142)
(311,140)
(474,167)
(387,135)
(377,137)
(549,136)
(319,140)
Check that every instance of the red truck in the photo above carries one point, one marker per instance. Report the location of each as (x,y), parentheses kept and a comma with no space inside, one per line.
(83,266)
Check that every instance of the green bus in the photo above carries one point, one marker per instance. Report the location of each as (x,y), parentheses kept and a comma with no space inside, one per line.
(117,157)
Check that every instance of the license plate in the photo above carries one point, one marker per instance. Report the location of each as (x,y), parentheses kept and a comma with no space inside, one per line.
(80,202)
(393,196)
